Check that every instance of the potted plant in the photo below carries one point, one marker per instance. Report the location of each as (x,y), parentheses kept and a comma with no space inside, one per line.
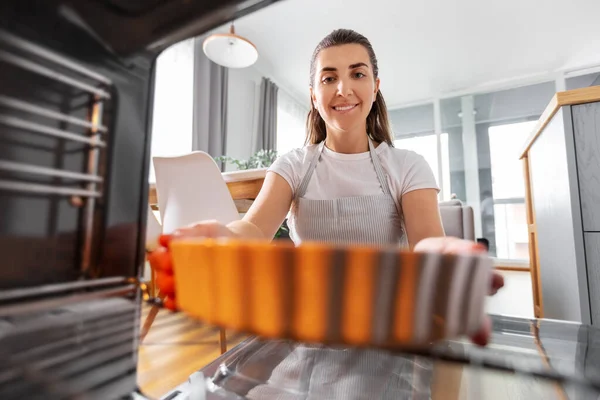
(260,159)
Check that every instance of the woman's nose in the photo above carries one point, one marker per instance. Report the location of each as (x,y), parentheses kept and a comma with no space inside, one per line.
(344,87)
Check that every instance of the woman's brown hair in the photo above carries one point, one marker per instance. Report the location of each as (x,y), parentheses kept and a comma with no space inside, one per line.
(378,126)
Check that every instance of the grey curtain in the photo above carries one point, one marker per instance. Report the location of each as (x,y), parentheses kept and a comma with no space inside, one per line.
(210,104)
(266,133)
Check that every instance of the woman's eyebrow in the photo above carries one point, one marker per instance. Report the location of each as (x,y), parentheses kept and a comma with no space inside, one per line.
(351,66)
(360,64)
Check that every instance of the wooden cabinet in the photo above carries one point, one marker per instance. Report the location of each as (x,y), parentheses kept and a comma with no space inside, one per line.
(562,175)
(592,252)
(586,128)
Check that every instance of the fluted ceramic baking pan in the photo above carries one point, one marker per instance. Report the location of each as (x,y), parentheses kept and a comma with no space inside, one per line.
(365,296)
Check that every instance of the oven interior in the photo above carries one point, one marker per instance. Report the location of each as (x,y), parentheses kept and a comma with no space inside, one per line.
(76,92)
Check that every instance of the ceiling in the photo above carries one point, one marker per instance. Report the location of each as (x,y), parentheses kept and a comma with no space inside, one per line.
(429,48)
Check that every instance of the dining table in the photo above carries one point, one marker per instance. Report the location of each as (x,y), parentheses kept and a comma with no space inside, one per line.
(243,185)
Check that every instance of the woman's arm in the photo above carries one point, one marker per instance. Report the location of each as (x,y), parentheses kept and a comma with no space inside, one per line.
(267,212)
(421,215)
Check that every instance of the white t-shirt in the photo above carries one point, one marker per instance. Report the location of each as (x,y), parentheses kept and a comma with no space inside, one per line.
(345,175)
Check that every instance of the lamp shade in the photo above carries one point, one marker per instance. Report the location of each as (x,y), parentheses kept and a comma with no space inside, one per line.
(230,50)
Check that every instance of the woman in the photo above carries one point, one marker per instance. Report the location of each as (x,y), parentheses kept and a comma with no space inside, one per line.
(348,185)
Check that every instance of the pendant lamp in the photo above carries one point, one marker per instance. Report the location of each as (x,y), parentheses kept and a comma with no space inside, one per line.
(230,50)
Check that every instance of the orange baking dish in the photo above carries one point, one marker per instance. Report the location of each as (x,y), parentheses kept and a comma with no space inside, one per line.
(315,292)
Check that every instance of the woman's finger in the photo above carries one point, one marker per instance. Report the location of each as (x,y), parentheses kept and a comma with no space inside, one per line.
(170,303)
(482,337)
(160,260)
(497,283)
(164,240)
(166,284)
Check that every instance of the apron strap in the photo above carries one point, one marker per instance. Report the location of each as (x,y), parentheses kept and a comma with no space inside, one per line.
(383,180)
(379,169)
(313,164)
(311,168)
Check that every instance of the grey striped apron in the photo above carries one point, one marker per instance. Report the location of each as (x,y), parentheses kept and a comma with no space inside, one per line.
(323,372)
(371,219)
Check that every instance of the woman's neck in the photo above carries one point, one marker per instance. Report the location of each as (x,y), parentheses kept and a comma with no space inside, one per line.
(346,142)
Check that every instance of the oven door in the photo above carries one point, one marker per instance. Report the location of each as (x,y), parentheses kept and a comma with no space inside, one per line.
(76,90)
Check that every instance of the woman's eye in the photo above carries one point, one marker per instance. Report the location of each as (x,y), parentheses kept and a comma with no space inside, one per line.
(359,75)
(327,79)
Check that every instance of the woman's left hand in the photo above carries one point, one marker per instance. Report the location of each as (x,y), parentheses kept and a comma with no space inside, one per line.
(452,245)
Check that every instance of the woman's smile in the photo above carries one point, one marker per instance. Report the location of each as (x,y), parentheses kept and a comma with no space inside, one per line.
(345,107)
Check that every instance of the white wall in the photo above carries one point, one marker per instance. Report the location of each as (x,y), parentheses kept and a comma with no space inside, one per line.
(242,103)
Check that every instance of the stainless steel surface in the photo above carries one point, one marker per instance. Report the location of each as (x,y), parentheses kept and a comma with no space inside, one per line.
(45,290)
(90,202)
(49,73)
(77,351)
(36,170)
(39,128)
(51,56)
(46,189)
(49,304)
(542,359)
(41,111)
(58,124)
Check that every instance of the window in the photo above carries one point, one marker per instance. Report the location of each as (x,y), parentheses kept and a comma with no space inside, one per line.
(486,133)
(506,141)
(426,146)
(291,123)
(507,205)
(290,132)
(173,102)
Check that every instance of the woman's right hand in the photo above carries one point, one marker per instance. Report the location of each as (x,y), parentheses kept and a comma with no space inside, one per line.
(203,229)
(160,259)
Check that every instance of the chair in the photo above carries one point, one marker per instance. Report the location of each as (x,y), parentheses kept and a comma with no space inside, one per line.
(153,232)
(190,188)
(457,219)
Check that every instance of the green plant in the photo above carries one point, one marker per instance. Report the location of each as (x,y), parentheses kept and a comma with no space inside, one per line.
(283,231)
(260,159)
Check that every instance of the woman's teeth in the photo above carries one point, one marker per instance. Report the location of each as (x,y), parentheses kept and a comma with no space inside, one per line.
(344,108)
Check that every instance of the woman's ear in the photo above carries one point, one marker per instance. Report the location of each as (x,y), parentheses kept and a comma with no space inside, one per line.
(313,98)
(377,82)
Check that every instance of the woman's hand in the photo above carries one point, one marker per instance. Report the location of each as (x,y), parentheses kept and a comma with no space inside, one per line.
(451,245)
(160,259)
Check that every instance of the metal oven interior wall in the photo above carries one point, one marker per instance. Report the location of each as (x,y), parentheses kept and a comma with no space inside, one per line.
(43,237)
(67,330)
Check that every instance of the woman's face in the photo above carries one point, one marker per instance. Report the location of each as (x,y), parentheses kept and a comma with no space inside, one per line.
(345,87)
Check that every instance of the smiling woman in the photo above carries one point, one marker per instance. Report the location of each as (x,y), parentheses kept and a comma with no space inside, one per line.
(348,185)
